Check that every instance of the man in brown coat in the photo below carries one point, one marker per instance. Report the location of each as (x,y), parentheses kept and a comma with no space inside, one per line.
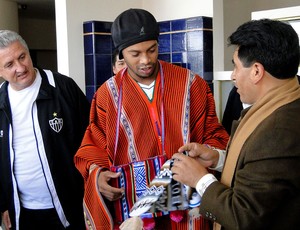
(260,182)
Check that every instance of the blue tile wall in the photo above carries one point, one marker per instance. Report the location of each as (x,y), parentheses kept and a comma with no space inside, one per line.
(165,26)
(191,44)
(177,25)
(185,42)
(98,48)
(164,43)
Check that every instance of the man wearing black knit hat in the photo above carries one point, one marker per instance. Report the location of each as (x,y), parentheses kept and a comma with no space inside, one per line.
(139,119)
(134,26)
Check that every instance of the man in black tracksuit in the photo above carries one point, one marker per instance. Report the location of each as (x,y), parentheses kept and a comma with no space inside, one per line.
(40,187)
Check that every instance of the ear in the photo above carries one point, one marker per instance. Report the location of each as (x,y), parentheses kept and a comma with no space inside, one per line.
(258,71)
(114,69)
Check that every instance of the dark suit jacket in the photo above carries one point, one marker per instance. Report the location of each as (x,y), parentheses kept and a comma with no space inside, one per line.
(265,192)
(233,109)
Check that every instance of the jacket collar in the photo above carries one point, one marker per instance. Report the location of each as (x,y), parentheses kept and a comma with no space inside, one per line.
(45,91)
(3,94)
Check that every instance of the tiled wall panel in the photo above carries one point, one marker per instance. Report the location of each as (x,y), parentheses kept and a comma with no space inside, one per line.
(189,43)
(97,55)
(184,42)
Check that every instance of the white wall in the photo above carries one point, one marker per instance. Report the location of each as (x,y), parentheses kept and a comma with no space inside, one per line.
(70,15)
(164,10)
(9,15)
(227,16)
(46,28)
(235,13)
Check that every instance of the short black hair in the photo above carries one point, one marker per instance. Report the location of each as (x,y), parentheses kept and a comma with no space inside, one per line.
(272,43)
(114,56)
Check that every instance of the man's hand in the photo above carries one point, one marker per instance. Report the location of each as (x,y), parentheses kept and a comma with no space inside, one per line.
(187,170)
(133,223)
(109,192)
(6,220)
(205,155)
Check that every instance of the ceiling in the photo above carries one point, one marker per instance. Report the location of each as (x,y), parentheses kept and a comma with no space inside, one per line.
(41,9)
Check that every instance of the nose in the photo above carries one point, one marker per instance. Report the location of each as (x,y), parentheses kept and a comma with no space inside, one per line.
(145,59)
(20,67)
(233,76)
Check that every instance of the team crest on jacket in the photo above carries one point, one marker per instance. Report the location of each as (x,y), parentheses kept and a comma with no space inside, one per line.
(56,124)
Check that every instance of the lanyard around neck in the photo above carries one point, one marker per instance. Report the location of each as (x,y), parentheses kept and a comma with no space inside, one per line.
(161,133)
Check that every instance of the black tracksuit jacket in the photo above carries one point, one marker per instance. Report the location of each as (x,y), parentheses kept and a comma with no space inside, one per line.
(69,103)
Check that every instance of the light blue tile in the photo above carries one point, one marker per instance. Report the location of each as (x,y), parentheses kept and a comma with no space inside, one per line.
(195,61)
(195,40)
(194,23)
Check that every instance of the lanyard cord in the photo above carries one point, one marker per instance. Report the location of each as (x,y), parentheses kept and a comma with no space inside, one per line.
(120,108)
(162,109)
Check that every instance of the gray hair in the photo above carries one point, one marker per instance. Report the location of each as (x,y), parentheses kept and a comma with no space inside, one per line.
(7,37)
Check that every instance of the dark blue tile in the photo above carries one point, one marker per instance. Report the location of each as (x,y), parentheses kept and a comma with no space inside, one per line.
(164,41)
(207,40)
(88,27)
(188,65)
(208,76)
(199,23)
(208,61)
(195,40)
(195,62)
(177,64)
(103,27)
(192,50)
(88,44)
(184,65)
(207,22)
(103,44)
(178,42)
(112,45)
(97,86)
(89,70)
(179,57)
(211,86)
(103,68)
(164,26)
(165,57)
(90,91)
(179,24)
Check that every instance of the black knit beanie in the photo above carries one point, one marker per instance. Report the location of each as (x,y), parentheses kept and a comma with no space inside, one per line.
(133,26)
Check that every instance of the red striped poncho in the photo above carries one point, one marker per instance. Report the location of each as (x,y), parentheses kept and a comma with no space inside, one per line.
(143,141)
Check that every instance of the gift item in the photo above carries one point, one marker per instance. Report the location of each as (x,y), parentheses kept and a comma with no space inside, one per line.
(135,178)
(165,195)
